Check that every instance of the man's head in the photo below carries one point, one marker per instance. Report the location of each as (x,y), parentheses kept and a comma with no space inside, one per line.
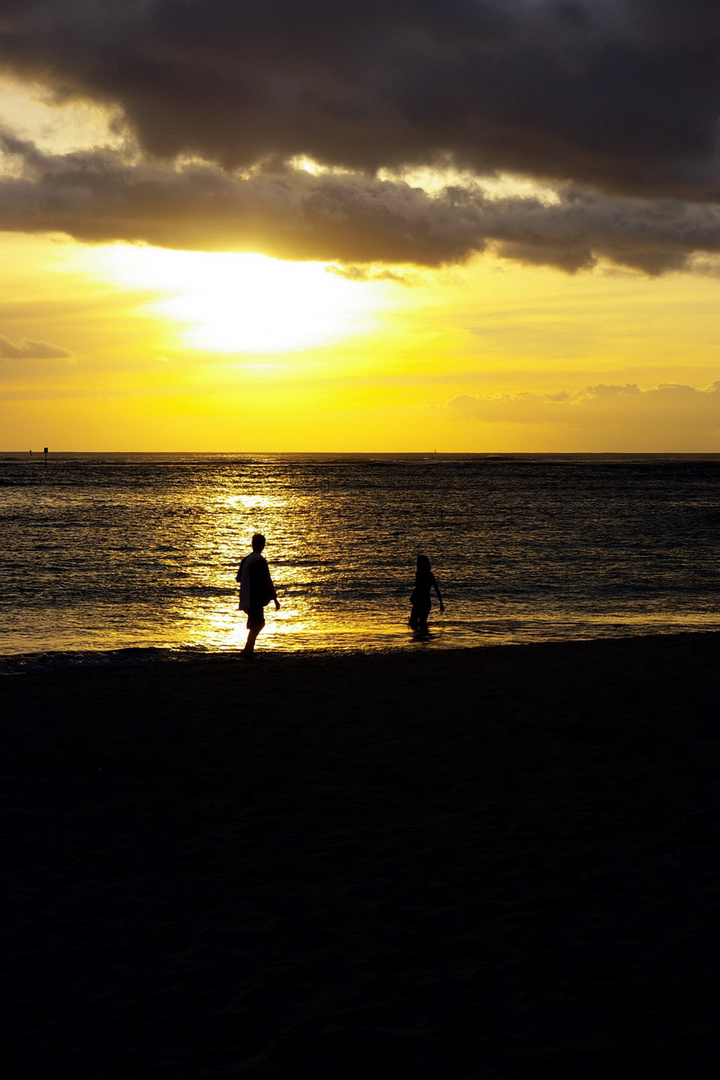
(258,542)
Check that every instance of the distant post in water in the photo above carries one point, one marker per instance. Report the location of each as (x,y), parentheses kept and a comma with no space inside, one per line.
(45,452)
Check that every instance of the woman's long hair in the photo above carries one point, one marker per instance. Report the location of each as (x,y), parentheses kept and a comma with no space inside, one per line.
(423,573)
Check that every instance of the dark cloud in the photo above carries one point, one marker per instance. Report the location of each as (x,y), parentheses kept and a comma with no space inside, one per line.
(613,102)
(621,95)
(100,195)
(29,350)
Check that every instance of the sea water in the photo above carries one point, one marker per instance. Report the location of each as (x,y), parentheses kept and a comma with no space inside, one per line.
(121,556)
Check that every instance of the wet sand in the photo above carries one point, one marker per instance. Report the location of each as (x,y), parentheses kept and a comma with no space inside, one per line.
(499,863)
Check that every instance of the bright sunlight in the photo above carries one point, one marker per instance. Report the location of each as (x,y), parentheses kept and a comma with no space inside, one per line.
(247,303)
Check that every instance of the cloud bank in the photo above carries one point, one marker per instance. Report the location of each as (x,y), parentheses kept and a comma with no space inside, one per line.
(625,415)
(100,195)
(615,103)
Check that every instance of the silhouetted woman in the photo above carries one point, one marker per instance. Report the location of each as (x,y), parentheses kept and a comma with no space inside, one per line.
(420,599)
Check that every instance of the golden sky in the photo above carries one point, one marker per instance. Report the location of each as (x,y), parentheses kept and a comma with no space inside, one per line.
(327,295)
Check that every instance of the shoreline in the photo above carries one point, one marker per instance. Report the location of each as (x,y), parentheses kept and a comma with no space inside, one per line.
(496,862)
(161,655)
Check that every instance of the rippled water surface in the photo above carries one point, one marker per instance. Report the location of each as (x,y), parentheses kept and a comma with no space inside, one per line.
(113,552)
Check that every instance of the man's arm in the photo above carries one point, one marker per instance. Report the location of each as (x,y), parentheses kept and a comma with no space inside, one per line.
(272,594)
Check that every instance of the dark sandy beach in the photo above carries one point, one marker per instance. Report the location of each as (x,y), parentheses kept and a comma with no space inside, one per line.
(499,863)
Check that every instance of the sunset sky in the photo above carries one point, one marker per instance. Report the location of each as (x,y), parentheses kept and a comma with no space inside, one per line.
(352,225)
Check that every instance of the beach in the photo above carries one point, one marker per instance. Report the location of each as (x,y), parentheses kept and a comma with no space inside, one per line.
(497,862)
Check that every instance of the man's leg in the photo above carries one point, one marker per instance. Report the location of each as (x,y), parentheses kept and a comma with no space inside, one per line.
(255,624)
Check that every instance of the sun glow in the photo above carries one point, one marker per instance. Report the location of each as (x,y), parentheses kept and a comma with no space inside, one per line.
(247,303)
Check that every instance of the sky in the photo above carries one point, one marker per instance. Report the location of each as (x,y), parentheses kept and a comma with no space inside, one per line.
(483,226)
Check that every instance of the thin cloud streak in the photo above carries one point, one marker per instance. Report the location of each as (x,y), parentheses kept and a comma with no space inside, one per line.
(30,350)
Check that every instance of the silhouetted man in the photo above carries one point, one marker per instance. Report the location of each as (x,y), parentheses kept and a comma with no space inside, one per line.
(256,590)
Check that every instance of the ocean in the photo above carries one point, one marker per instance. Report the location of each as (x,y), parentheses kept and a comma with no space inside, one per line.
(109,558)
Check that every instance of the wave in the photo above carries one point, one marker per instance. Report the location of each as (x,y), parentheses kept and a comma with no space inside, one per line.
(137,656)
